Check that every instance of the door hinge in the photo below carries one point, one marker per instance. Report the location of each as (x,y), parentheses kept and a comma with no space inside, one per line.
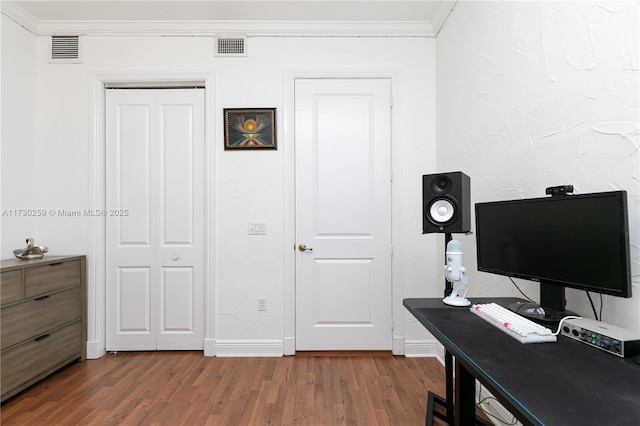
(392,251)
(391,103)
(391,175)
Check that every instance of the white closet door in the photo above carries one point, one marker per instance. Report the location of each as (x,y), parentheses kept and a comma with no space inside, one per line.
(155,219)
(343,214)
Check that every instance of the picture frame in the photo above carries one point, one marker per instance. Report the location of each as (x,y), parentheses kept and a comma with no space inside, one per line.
(249,128)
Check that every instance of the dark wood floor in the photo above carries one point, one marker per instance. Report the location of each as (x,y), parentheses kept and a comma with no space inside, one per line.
(186,388)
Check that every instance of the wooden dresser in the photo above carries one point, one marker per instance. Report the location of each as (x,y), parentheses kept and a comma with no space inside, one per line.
(43,318)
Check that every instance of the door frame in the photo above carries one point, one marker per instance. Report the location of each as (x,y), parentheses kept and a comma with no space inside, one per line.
(397,288)
(96,259)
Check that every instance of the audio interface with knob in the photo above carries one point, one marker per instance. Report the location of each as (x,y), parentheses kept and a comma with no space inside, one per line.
(609,338)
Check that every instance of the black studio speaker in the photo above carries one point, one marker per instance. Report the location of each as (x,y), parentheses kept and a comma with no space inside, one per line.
(446,199)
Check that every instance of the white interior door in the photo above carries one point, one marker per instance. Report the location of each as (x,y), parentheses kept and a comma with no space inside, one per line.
(343,214)
(155,219)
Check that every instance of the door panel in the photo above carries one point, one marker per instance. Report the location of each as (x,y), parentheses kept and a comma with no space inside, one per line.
(343,213)
(131,157)
(350,278)
(176,300)
(155,244)
(134,311)
(130,239)
(344,196)
(181,217)
(176,164)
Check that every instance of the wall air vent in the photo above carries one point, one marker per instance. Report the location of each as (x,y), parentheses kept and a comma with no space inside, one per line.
(231,46)
(65,49)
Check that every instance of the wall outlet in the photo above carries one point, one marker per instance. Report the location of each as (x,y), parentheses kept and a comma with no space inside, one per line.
(257,228)
(262,303)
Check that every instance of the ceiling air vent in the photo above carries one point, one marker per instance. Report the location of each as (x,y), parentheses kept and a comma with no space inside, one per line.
(65,49)
(231,46)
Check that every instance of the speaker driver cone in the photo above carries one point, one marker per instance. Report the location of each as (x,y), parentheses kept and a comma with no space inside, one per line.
(441,211)
(441,184)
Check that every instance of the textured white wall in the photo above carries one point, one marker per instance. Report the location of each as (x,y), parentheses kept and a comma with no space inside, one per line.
(538,94)
(20,175)
(529,95)
(248,186)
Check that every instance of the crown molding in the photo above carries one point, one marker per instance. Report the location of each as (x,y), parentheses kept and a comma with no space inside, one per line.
(19,16)
(441,14)
(250,28)
(429,29)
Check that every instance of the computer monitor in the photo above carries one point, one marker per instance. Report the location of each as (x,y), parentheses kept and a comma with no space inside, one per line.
(576,241)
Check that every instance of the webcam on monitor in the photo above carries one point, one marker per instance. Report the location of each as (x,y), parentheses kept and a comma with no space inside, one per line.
(559,191)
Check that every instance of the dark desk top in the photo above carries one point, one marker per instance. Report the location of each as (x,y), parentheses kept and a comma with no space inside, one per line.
(563,383)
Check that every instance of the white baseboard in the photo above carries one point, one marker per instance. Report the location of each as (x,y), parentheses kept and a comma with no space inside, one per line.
(221,348)
(249,348)
(423,348)
(277,348)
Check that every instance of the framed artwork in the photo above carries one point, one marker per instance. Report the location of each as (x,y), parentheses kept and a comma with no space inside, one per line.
(249,128)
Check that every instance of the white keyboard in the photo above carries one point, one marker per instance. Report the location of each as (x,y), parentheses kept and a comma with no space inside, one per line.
(516,326)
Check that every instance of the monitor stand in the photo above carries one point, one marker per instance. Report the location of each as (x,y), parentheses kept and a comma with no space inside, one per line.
(551,308)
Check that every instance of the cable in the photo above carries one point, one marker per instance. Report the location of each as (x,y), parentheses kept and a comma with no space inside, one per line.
(601,304)
(563,320)
(593,308)
(521,292)
(513,420)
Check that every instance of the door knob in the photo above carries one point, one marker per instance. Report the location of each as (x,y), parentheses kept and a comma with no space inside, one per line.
(303,247)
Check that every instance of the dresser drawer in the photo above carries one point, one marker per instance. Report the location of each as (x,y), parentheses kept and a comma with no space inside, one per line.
(11,286)
(35,357)
(34,317)
(45,278)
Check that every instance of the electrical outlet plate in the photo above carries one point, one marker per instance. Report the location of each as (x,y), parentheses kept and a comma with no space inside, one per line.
(262,303)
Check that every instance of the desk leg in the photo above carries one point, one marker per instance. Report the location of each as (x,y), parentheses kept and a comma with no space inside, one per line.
(447,402)
(465,406)
(448,366)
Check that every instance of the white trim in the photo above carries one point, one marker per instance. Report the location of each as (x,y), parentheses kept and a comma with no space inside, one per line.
(19,16)
(209,347)
(96,284)
(424,348)
(288,225)
(398,347)
(441,14)
(249,348)
(94,350)
(397,286)
(397,209)
(96,320)
(250,28)
(289,345)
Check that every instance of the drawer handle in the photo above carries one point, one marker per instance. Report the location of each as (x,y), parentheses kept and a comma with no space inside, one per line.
(56,264)
(37,339)
(37,299)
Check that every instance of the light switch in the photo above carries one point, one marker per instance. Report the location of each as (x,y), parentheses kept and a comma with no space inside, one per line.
(257,228)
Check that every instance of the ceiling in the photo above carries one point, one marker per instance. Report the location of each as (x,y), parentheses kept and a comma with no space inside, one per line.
(422,17)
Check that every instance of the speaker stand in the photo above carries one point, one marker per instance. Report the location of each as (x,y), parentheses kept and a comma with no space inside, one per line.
(448,287)
(448,358)
(434,400)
